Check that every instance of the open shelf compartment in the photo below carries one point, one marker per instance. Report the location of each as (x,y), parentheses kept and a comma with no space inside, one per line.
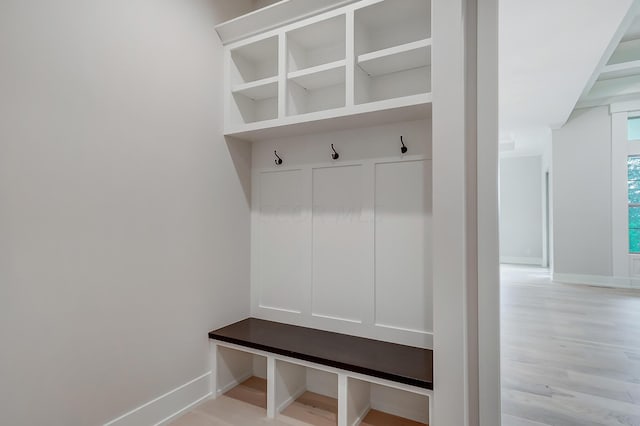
(319,89)
(306,394)
(246,110)
(254,82)
(254,61)
(400,84)
(316,44)
(393,50)
(372,404)
(391,23)
(242,376)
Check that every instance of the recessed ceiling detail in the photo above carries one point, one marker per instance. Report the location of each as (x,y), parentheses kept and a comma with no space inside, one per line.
(617,78)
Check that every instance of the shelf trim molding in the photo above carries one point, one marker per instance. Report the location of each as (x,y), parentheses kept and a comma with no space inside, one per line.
(231,32)
(245,130)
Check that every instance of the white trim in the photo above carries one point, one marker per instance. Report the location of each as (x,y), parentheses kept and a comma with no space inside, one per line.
(178,413)
(160,410)
(626,106)
(538,261)
(619,207)
(354,321)
(291,311)
(410,330)
(270,17)
(597,280)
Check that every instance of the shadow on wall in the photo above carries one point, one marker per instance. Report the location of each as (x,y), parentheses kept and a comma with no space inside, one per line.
(240,152)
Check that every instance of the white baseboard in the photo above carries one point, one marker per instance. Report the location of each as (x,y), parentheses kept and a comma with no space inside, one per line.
(166,407)
(521,260)
(597,280)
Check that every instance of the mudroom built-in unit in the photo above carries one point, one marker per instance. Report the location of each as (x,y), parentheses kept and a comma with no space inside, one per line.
(335,99)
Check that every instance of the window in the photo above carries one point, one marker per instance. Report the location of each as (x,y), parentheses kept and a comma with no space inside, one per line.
(633,179)
(633,128)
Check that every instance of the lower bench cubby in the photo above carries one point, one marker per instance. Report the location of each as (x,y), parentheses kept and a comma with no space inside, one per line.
(242,375)
(321,378)
(306,394)
(372,404)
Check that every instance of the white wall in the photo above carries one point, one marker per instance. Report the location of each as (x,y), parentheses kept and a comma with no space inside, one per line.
(582,194)
(521,210)
(124,222)
(257,4)
(341,245)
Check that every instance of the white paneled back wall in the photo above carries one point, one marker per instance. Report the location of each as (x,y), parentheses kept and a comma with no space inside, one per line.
(345,245)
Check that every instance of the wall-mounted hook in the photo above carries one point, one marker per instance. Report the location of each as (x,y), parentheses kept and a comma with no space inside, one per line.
(278,160)
(404,148)
(335,154)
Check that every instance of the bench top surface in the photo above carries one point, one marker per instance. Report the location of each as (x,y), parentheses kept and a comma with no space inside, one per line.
(400,363)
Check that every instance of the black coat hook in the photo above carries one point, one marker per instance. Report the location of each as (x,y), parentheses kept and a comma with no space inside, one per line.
(404,148)
(278,160)
(335,154)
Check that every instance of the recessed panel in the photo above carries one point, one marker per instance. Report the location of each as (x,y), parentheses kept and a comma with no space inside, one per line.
(339,243)
(403,290)
(283,241)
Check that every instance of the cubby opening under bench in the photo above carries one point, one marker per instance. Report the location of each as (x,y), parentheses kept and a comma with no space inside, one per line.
(320,377)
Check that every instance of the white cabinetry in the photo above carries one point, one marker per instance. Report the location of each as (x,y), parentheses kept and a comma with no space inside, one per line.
(368,62)
(313,393)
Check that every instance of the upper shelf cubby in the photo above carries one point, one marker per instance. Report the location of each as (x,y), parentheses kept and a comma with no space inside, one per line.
(391,23)
(393,50)
(255,61)
(317,44)
(365,62)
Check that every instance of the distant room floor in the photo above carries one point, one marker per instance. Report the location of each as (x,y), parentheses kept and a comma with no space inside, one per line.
(570,353)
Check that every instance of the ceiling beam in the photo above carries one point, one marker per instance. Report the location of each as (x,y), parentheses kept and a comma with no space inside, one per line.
(615,41)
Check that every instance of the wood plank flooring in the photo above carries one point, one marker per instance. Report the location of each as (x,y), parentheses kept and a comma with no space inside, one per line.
(379,418)
(252,391)
(570,357)
(315,409)
(570,353)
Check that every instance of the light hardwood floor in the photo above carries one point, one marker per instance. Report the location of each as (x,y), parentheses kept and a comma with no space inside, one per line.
(570,353)
(570,357)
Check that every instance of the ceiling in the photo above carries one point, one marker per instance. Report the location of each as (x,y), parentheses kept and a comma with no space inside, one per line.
(549,50)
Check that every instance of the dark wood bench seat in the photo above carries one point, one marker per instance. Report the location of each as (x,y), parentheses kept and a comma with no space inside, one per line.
(404,364)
